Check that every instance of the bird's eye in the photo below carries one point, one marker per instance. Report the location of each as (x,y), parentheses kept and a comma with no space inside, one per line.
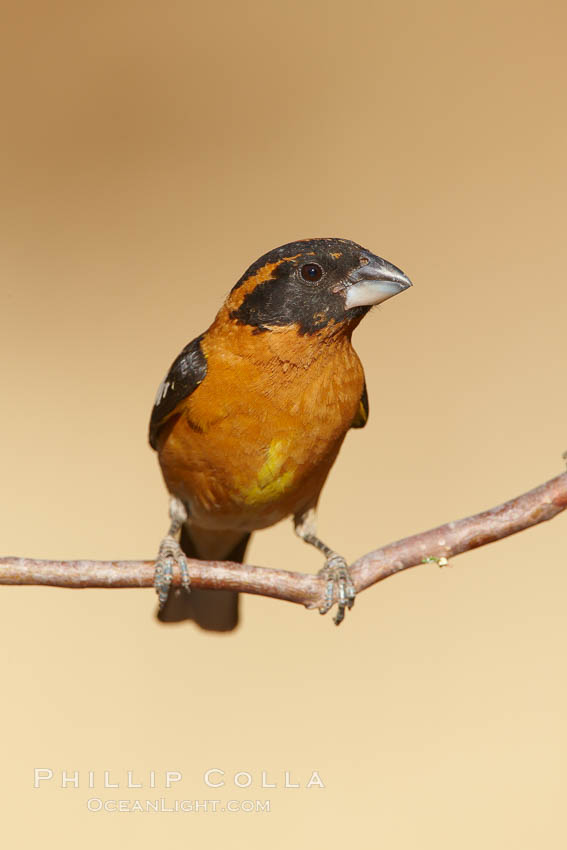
(311,272)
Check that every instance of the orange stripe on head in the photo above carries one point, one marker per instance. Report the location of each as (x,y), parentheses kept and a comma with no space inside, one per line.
(248,284)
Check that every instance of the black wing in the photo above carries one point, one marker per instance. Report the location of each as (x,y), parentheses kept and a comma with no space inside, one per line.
(187,371)
(361,417)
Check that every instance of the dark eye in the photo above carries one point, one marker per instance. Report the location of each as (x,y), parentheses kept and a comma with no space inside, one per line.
(311,272)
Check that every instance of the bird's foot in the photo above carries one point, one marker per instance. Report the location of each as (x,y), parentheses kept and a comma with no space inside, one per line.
(170,555)
(337,576)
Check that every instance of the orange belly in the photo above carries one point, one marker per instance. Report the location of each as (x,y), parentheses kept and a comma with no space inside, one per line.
(255,441)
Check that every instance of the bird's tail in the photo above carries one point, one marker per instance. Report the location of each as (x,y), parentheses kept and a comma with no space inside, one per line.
(214,610)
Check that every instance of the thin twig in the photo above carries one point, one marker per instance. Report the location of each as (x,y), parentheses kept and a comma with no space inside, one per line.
(444,542)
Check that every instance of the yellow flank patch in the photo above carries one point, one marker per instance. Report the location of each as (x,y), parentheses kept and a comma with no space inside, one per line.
(361,417)
(271,482)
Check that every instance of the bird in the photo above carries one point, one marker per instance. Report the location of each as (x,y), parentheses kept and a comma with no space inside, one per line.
(251,415)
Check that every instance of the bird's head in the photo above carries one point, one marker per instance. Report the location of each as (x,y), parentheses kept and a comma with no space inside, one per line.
(313,284)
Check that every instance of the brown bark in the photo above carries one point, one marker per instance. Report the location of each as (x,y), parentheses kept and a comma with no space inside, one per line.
(444,542)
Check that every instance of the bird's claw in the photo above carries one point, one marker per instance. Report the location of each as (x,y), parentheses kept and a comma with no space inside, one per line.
(337,575)
(170,555)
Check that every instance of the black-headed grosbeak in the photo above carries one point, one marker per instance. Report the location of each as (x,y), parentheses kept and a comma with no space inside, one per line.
(249,419)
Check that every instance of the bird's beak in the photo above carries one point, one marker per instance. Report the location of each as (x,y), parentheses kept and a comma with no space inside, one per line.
(374,281)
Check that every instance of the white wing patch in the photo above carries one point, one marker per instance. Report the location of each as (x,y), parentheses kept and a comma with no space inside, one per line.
(163,389)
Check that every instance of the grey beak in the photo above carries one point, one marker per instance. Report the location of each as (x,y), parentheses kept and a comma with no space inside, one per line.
(374,281)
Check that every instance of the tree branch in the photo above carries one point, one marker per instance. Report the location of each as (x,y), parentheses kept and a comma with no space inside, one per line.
(444,542)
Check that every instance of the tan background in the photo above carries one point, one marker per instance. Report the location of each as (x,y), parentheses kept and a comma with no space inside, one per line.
(151,152)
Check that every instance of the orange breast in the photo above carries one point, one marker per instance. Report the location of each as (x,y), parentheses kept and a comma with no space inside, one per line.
(256,440)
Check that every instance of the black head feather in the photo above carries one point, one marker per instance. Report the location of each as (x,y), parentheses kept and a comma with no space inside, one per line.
(291,294)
